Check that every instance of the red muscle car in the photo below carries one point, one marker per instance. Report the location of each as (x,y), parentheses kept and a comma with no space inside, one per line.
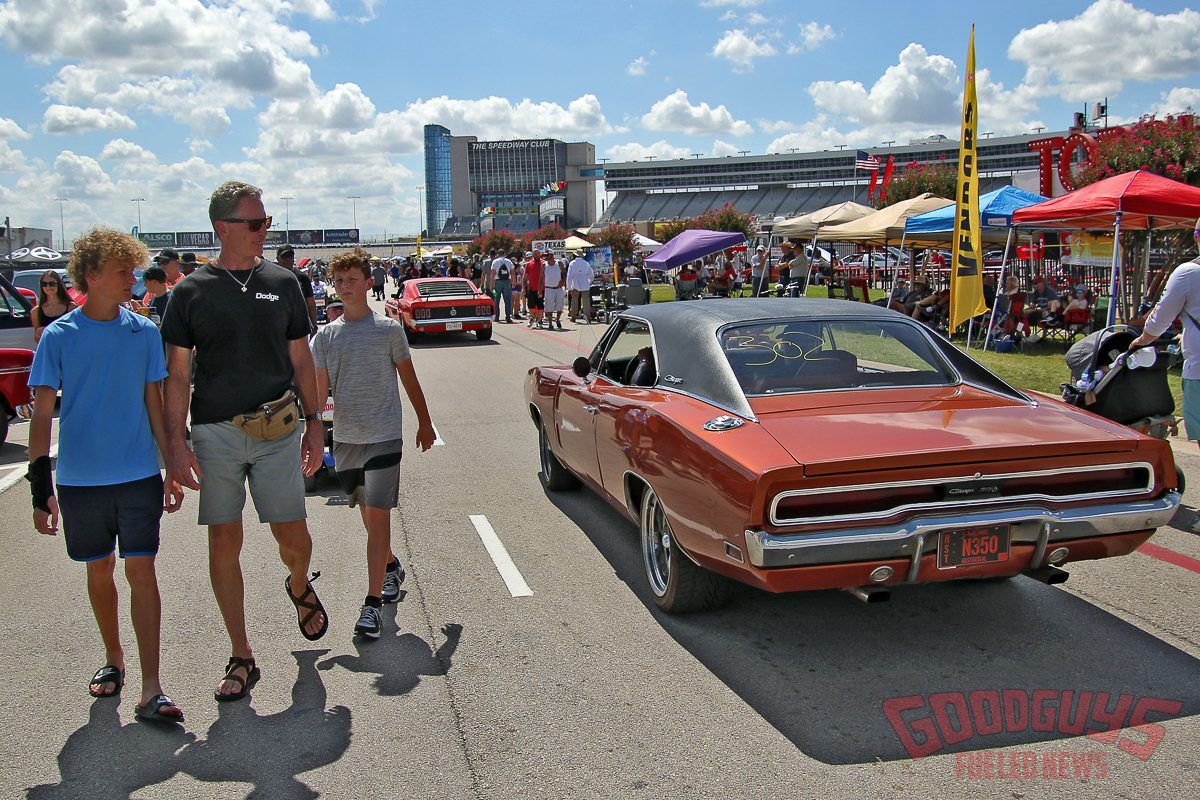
(816,444)
(442,305)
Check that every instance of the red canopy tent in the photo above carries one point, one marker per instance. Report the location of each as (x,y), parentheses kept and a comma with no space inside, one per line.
(1137,200)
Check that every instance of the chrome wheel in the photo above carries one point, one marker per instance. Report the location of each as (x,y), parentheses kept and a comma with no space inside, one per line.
(656,544)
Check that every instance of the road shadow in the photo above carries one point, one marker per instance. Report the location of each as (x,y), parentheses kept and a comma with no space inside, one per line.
(1186,519)
(398,660)
(271,751)
(105,760)
(851,683)
(450,341)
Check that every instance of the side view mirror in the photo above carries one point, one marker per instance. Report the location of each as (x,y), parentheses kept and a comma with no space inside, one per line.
(581,366)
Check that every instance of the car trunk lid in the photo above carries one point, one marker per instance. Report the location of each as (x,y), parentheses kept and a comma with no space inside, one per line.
(844,432)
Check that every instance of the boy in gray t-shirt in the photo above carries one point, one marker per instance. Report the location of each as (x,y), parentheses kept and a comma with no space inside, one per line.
(358,357)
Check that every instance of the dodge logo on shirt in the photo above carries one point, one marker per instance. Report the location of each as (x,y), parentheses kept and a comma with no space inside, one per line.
(266,296)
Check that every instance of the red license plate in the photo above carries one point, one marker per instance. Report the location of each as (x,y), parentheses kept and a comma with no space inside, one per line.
(971,546)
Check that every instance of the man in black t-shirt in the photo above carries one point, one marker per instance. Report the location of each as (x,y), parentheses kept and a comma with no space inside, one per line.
(248,323)
(285,256)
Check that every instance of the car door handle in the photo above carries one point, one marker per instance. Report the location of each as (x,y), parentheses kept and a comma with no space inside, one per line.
(591,409)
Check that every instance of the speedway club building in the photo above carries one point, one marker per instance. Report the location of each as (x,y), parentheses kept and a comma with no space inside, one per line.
(473,186)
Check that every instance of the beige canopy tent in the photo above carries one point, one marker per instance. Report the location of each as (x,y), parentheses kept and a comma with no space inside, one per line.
(812,224)
(885,226)
(576,243)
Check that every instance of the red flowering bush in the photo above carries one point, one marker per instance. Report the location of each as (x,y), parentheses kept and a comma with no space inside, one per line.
(916,178)
(501,241)
(550,231)
(618,237)
(1169,147)
(726,218)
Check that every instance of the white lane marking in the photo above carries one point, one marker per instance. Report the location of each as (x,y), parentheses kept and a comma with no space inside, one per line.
(18,471)
(516,584)
(437,437)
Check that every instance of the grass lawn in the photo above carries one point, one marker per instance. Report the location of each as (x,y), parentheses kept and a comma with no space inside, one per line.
(1041,367)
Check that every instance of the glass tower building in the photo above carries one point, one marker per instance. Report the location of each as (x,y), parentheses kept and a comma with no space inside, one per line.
(438,195)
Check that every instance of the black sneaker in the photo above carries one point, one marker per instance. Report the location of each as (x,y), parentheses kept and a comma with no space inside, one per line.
(369,622)
(391,584)
(559,324)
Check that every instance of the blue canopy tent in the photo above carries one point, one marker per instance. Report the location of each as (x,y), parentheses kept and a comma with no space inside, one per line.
(996,222)
(995,209)
(692,245)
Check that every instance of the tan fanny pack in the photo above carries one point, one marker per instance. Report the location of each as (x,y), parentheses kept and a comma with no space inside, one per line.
(273,420)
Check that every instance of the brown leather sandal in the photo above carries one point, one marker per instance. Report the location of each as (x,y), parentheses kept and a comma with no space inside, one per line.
(314,607)
(244,684)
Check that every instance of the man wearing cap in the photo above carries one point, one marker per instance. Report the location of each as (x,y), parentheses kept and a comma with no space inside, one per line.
(579,284)
(552,276)
(285,257)
(1181,300)
(187,264)
(168,259)
(533,288)
(758,263)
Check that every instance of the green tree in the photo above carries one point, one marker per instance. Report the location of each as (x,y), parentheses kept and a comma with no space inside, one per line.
(619,238)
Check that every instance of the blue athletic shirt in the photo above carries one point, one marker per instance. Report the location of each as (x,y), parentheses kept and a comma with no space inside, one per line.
(102,369)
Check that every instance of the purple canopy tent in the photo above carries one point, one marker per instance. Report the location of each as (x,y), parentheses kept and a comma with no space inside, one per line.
(692,245)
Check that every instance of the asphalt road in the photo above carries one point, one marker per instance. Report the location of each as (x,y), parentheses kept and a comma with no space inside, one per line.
(581,688)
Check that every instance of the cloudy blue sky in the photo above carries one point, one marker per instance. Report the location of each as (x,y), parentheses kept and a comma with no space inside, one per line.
(107,100)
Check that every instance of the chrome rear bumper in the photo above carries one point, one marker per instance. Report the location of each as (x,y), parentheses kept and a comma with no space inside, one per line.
(885,542)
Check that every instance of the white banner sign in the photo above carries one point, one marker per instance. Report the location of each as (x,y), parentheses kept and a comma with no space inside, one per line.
(556,246)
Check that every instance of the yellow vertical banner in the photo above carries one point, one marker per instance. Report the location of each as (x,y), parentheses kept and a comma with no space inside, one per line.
(966,272)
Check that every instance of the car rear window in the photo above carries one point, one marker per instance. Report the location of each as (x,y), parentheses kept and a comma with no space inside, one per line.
(783,356)
(435,289)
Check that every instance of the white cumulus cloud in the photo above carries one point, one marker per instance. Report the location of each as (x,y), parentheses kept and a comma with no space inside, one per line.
(721,148)
(632,151)
(1110,42)
(73,119)
(740,49)
(1178,100)
(812,36)
(676,113)
(920,89)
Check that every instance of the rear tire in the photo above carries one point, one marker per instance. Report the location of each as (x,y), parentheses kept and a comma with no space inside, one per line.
(4,421)
(310,482)
(410,335)
(557,477)
(677,584)
(483,334)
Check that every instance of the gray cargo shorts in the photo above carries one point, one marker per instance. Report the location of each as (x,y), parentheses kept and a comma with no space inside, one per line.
(228,458)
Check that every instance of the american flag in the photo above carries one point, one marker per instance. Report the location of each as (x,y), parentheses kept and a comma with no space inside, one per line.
(864,160)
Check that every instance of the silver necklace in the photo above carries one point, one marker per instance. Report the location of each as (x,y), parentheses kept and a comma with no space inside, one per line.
(246,284)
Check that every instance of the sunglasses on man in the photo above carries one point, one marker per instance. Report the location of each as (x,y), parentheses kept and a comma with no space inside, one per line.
(255,225)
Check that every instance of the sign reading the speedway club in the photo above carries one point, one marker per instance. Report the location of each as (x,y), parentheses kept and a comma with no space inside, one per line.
(516,144)
(157,240)
(556,246)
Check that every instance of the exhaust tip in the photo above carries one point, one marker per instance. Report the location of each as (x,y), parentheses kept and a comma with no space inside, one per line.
(1049,575)
(871,594)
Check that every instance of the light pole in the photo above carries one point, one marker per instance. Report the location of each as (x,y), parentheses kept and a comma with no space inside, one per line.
(287,214)
(420,209)
(62,226)
(353,198)
(139,201)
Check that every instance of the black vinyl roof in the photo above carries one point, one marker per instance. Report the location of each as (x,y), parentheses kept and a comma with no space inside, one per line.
(689,355)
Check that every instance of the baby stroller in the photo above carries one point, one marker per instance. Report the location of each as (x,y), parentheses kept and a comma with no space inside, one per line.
(1128,388)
